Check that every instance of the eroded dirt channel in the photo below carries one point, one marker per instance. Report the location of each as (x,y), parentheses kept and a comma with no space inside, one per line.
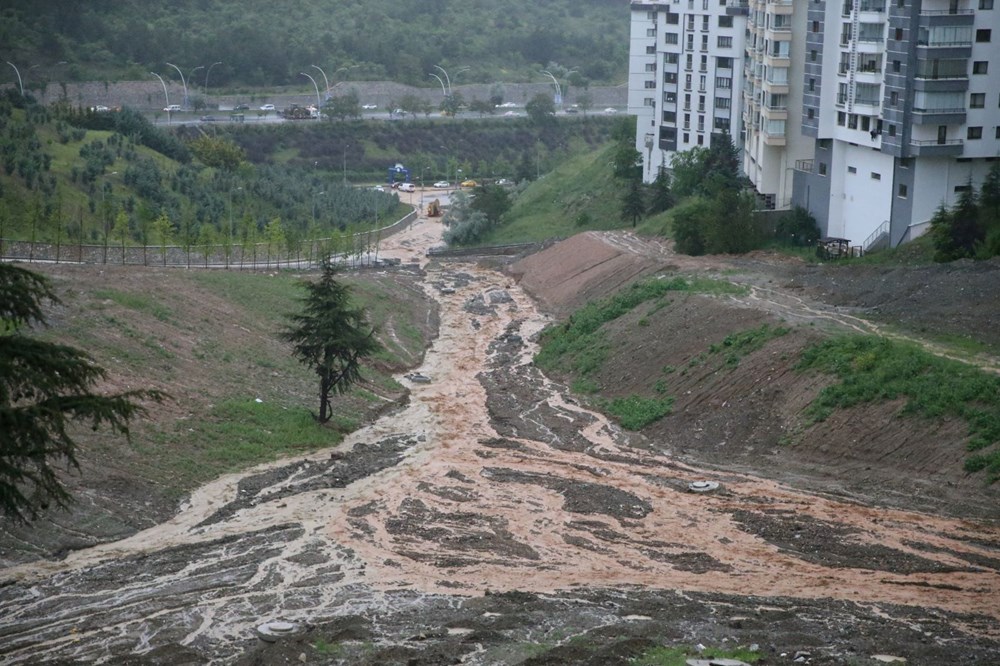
(495,520)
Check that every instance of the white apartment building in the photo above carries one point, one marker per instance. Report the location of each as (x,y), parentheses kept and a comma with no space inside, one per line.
(772,98)
(903,99)
(868,113)
(685,76)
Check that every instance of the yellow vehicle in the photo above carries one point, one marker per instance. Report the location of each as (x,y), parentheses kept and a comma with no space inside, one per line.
(469,183)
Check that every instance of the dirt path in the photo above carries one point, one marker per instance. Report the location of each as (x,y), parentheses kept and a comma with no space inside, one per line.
(494,483)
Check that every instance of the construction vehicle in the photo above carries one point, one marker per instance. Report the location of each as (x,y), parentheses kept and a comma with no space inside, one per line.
(434,208)
(296,112)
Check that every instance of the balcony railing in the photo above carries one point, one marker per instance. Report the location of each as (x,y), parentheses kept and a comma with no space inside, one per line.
(955,109)
(937,142)
(946,12)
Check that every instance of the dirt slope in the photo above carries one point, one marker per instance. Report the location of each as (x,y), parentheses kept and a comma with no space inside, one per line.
(748,417)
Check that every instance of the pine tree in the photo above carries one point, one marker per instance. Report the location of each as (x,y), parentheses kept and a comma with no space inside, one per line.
(661,198)
(331,337)
(44,387)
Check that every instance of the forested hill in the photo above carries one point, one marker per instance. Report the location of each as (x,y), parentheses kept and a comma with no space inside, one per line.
(267,43)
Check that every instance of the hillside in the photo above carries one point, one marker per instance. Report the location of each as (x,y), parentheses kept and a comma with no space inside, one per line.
(262,44)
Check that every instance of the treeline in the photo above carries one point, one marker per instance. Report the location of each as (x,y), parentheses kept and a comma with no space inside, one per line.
(262,43)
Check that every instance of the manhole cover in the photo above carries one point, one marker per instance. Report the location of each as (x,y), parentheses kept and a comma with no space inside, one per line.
(272,631)
(703,486)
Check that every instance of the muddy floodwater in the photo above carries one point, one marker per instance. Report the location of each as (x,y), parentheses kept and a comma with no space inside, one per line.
(494,520)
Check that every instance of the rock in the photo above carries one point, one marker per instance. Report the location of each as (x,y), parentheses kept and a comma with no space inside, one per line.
(703,486)
(888,659)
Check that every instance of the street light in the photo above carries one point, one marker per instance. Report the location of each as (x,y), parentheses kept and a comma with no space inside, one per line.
(558,99)
(325,80)
(319,104)
(183,83)
(444,91)
(209,72)
(20,84)
(191,74)
(166,97)
(230,247)
(446,77)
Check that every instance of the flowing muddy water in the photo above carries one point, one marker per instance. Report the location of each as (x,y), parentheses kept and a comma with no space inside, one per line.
(493,480)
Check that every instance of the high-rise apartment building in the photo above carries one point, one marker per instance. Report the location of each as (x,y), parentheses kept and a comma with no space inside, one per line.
(869,113)
(903,99)
(772,98)
(685,75)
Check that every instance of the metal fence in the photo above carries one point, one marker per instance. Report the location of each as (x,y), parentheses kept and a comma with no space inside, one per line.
(252,256)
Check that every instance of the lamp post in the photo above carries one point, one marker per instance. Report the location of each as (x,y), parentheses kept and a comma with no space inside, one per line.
(229,248)
(191,75)
(166,97)
(209,72)
(183,83)
(444,91)
(446,77)
(20,84)
(555,82)
(319,104)
(326,81)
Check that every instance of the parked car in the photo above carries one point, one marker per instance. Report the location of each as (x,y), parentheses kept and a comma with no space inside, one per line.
(610,109)
(267,107)
(241,107)
(407,187)
(469,183)
(369,107)
(172,108)
(505,182)
(208,119)
(379,188)
(442,184)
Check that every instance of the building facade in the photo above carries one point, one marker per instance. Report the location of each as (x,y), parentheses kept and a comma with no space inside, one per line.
(685,76)
(903,99)
(868,113)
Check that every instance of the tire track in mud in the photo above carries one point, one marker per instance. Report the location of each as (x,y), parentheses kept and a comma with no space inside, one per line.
(492,480)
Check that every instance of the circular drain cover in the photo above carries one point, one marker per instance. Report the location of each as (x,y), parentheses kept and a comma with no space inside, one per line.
(272,631)
(703,486)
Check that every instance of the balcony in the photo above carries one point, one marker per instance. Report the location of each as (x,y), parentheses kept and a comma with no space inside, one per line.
(738,8)
(955,116)
(937,148)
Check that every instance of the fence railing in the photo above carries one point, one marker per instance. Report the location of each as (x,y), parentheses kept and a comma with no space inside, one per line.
(250,256)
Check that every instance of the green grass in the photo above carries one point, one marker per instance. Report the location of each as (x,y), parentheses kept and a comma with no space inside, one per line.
(737,345)
(678,656)
(577,345)
(138,302)
(635,412)
(550,206)
(873,369)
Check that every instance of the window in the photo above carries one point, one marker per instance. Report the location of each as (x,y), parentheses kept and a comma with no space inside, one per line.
(893,98)
(898,34)
(815,26)
(651,32)
(673,19)
(651,16)
(725,42)
(650,50)
(690,21)
(723,82)
(650,66)
(725,21)
(824,144)
(980,67)
(687,82)
(905,162)
(650,85)
(649,101)
(998,132)
(896,65)
(977,101)
(983,35)
(810,113)
(851,169)
(701,140)
(670,77)
(704,23)
(723,102)
(974,133)
(724,63)
(822,168)
(670,116)
(812,85)
(670,97)
(687,138)
(986,4)
(902,191)
(689,62)
(812,56)
(670,38)
(876,176)
(892,130)
(669,58)
(841,118)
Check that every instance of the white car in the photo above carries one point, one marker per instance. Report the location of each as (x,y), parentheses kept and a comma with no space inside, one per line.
(267,107)
(369,107)
(407,187)
(442,184)
(610,109)
(172,108)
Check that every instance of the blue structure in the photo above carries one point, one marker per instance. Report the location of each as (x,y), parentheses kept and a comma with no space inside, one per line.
(395,171)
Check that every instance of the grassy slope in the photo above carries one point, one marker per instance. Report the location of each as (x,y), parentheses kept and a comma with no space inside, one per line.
(210,340)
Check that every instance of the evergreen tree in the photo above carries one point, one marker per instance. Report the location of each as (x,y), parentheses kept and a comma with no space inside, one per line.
(633,205)
(44,388)
(661,198)
(331,337)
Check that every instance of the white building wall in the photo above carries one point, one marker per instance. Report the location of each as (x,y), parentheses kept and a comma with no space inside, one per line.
(866,191)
